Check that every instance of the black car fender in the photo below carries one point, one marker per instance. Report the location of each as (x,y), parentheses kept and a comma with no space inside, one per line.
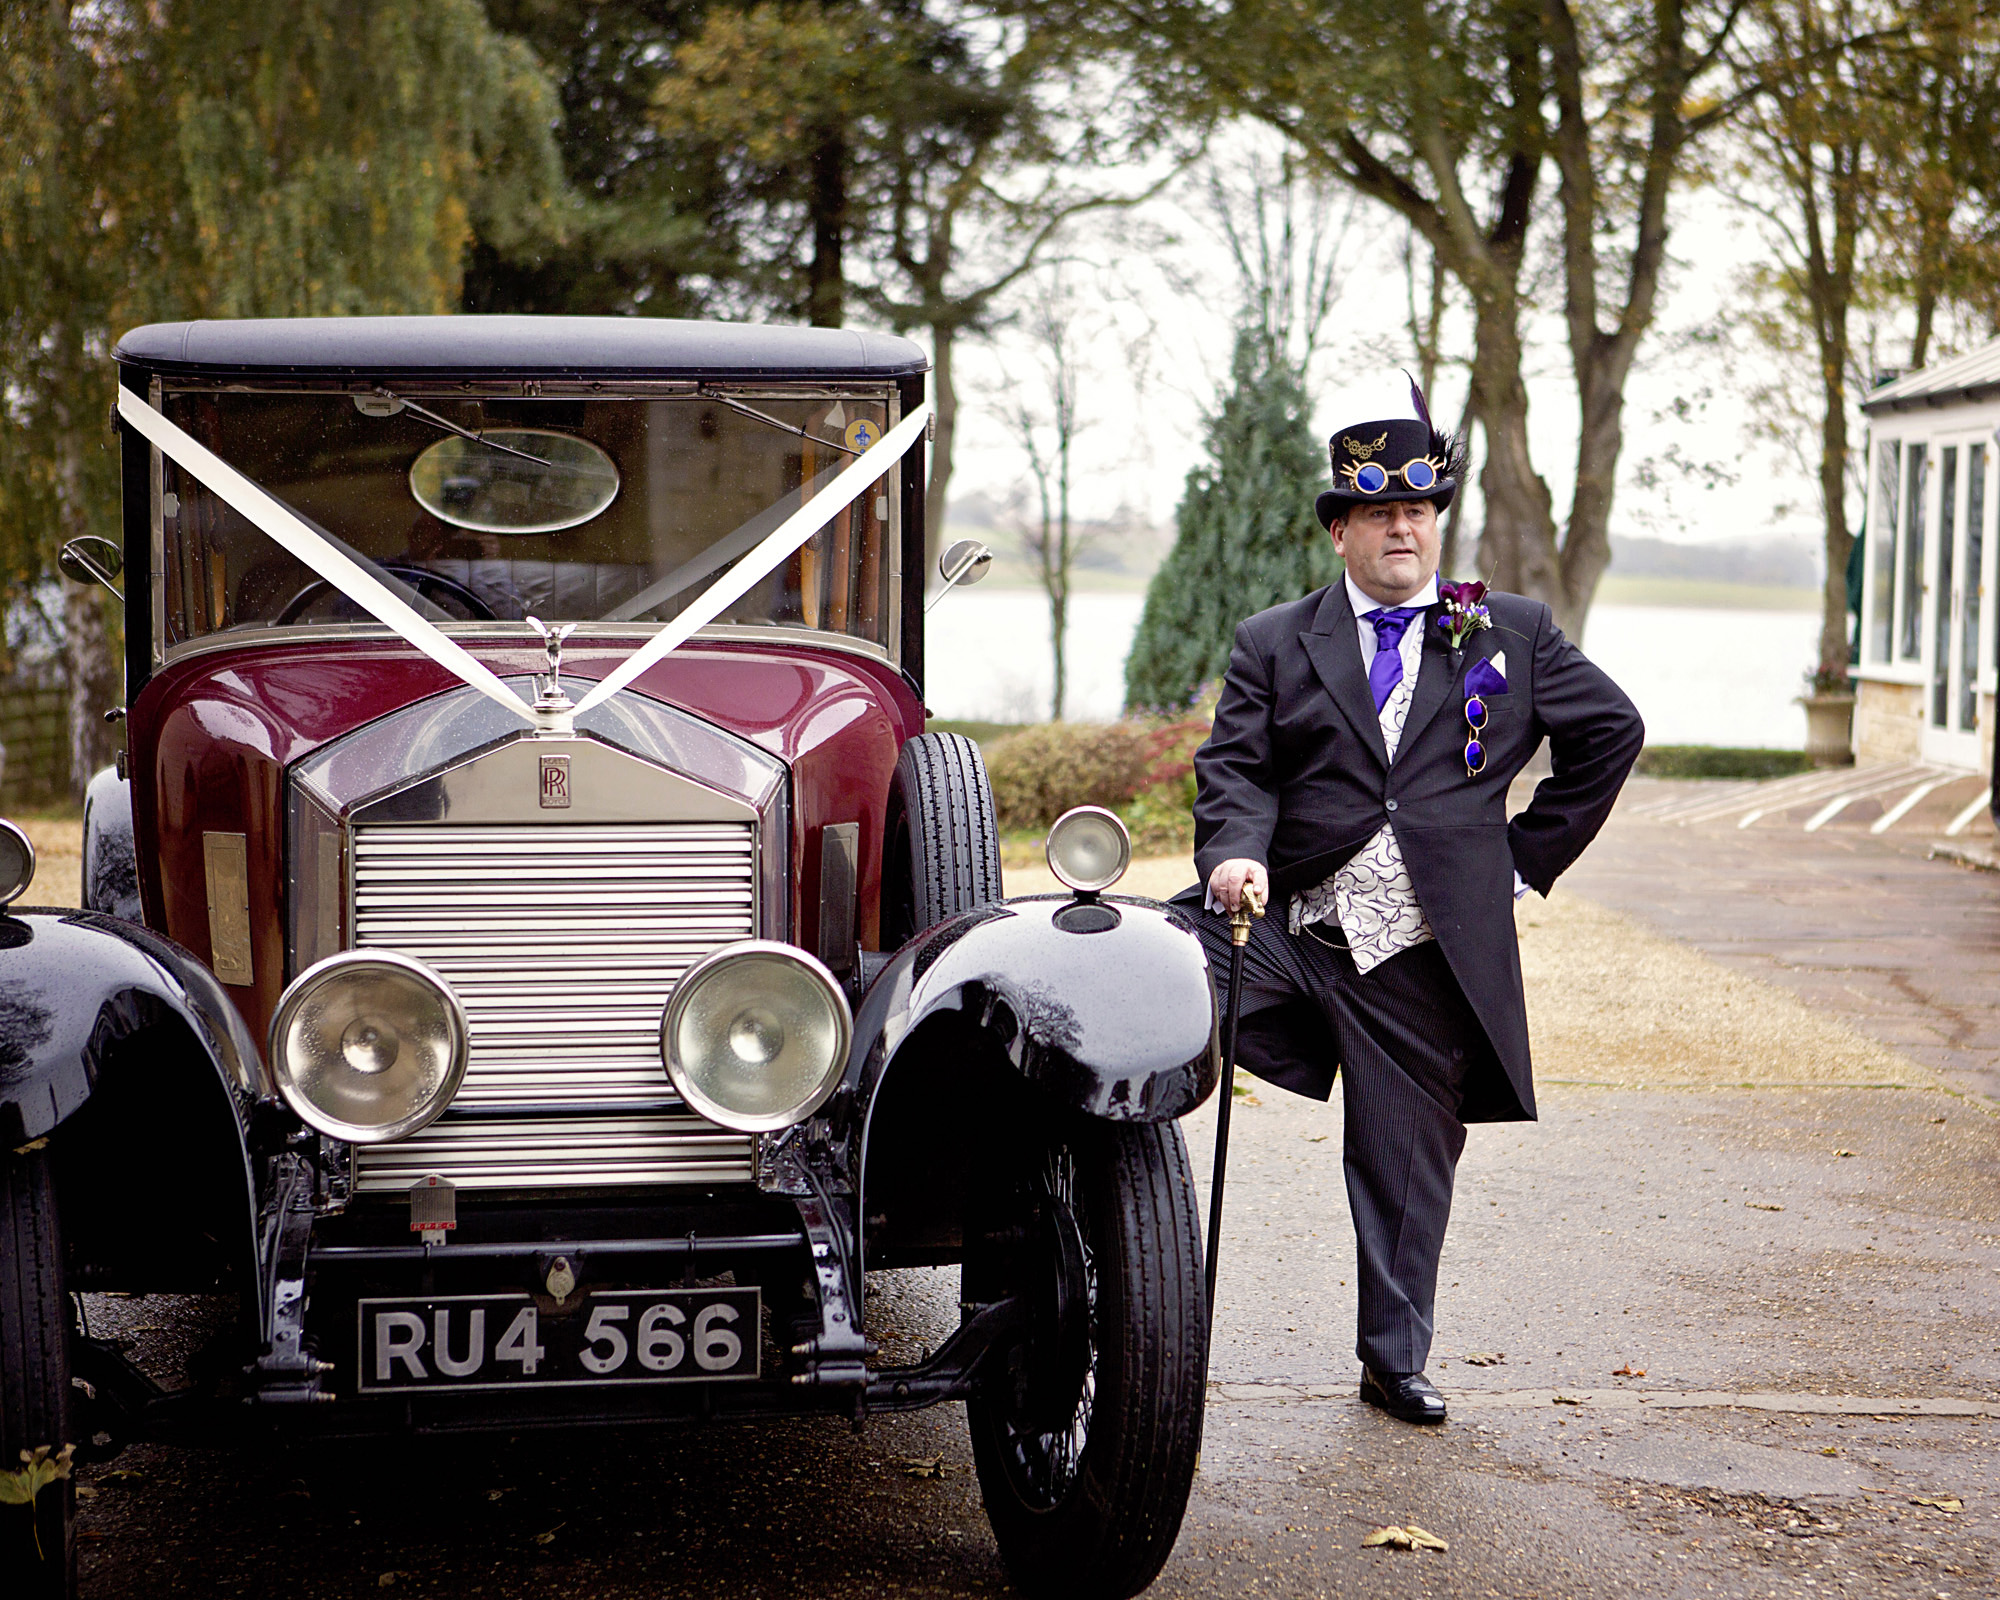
(122,1050)
(110,852)
(1100,1008)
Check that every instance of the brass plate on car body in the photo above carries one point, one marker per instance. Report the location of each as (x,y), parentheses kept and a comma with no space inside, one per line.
(226,859)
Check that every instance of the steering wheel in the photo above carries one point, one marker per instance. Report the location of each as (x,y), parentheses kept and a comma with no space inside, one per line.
(418,578)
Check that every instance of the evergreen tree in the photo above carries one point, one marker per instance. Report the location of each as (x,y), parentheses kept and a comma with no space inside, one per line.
(1248,538)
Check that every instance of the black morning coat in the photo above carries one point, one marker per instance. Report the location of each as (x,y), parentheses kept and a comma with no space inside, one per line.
(1295,775)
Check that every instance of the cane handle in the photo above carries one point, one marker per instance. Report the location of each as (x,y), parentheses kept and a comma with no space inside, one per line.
(1249,904)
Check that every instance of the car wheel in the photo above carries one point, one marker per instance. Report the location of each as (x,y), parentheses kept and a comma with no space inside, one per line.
(1085,1433)
(942,841)
(34,1379)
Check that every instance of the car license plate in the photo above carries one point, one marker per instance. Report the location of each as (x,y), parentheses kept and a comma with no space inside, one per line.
(483,1341)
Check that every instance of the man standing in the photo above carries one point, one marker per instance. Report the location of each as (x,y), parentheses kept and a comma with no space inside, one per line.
(1358,769)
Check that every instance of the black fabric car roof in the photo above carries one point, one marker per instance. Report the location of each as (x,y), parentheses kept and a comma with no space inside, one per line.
(580,346)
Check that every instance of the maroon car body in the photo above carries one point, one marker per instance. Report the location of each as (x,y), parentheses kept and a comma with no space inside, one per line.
(512,1054)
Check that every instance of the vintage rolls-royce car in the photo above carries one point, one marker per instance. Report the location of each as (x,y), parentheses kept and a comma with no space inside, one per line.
(536,962)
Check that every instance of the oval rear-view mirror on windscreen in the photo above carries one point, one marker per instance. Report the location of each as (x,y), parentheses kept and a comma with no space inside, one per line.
(535,482)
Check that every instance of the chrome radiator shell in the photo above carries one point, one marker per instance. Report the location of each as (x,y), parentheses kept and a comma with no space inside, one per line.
(561,931)
(562,943)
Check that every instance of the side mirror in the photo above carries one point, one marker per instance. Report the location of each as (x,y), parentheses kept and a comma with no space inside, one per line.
(17,863)
(92,559)
(967,562)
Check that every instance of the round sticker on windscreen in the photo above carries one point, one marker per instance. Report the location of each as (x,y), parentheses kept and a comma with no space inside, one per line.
(862,432)
(514,480)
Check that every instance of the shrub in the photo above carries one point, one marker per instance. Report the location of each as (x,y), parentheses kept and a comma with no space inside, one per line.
(1718,761)
(1040,772)
(1142,768)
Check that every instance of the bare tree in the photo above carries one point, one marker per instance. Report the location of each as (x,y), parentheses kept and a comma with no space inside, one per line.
(1047,427)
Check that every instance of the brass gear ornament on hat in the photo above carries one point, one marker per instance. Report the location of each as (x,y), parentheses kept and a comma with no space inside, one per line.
(1393,457)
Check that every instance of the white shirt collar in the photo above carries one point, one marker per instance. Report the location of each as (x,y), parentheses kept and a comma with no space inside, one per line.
(1362,604)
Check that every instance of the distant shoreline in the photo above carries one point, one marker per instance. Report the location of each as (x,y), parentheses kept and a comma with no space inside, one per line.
(1705,594)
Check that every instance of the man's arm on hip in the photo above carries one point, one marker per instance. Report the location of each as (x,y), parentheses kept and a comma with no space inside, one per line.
(1595,735)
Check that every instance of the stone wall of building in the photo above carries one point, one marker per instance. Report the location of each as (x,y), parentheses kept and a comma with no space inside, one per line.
(1888,721)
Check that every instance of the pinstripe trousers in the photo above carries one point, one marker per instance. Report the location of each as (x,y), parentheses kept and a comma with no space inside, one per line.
(1404,1037)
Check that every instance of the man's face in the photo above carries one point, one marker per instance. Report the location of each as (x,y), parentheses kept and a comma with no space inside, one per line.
(1391,550)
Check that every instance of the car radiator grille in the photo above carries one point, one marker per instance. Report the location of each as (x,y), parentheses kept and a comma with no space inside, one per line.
(563,943)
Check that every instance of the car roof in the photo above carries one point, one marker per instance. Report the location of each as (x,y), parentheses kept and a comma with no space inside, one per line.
(548,346)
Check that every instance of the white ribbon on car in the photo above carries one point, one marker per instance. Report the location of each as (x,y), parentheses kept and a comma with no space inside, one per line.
(323,556)
(313,548)
(776,547)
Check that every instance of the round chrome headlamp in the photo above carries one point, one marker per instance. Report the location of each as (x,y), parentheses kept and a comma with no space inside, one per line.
(756,1035)
(368,1046)
(1089,849)
(17,863)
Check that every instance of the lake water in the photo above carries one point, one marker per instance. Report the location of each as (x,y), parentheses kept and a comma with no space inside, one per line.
(1697,676)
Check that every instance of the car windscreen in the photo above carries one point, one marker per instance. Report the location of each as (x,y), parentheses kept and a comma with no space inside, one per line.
(492,508)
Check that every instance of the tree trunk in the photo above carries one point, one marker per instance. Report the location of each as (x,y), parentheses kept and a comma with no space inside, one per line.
(827,283)
(944,411)
(1586,549)
(1517,545)
(96,683)
(90,648)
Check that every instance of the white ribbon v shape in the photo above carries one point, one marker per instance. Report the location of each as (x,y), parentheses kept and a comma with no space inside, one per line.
(316,551)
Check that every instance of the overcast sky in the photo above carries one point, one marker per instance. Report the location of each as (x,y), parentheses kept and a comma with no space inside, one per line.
(1157,294)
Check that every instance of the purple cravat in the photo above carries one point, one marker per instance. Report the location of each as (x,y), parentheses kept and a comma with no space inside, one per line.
(1386,670)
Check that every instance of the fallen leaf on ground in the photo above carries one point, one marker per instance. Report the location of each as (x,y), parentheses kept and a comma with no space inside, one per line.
(1843,1152)
(85,1492)
(1758,1205)
(1486,1358)
(387,1580)
(923,1466)
(1318,1138)
(1406,1538)
(124,1475)
(1567,1400)
(1942,1502)
(1628,1371)
(31,1147)
(550,1536)
(1829,1450)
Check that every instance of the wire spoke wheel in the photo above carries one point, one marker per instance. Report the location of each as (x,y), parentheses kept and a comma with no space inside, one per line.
(1085,1432)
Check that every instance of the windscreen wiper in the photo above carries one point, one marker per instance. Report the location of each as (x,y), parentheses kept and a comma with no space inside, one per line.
(381,403)
(776,422)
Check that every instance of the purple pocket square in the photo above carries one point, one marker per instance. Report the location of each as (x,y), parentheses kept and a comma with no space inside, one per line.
(1483,677)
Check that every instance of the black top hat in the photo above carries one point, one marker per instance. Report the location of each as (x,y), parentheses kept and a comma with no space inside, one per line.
(1395,457)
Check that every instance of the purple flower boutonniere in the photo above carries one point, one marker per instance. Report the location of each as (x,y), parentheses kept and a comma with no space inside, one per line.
(1464,611)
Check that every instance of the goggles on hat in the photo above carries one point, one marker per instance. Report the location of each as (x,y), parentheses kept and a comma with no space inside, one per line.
(1371,477)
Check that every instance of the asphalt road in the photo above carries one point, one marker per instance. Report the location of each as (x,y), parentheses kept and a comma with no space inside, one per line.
(1759,1454)
(1732,1341)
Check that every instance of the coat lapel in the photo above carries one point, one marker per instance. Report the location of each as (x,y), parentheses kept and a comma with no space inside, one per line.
(1334,649)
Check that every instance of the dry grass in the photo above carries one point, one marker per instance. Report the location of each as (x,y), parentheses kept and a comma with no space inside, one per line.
(1610,1002)
(58,846)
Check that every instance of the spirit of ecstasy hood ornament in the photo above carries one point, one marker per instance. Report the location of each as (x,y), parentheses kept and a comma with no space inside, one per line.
(552,705)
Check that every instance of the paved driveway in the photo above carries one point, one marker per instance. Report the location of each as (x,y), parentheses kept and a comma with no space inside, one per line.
(1731,1341)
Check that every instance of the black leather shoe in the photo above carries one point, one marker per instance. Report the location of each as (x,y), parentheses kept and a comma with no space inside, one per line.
(1408,1396)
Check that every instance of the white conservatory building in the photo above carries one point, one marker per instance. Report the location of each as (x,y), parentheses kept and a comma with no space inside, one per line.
(1925,689)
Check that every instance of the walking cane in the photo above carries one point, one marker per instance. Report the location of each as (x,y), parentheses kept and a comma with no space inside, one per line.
(1249,905)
